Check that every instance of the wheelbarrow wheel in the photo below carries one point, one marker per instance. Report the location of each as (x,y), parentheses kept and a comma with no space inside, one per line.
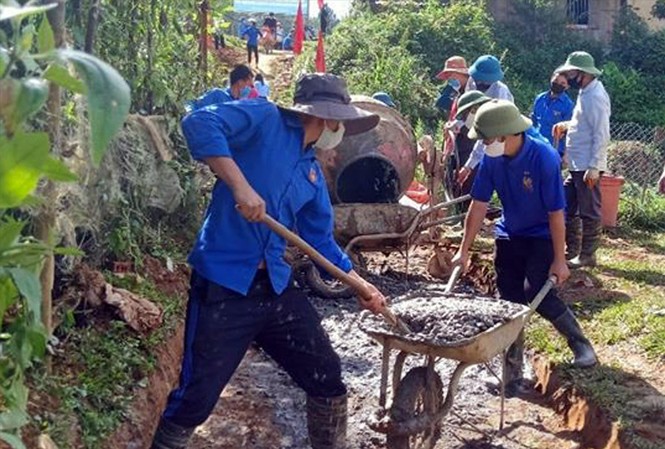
(415,398)
(332,289)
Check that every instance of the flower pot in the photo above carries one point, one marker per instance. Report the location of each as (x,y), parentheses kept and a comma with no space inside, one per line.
(610,191)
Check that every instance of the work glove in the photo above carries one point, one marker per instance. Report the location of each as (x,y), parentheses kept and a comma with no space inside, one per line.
(454,126)
(591,177)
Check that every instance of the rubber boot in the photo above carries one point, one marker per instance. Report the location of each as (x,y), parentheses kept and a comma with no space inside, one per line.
(568,326)
(516,383)
(573,237)
(590,237)
(171,436)
(326,422)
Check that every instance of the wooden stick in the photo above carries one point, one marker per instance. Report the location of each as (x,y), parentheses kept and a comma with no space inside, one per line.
(360,288)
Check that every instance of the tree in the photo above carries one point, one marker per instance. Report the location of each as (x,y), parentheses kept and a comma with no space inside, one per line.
(658,9)
(30,57)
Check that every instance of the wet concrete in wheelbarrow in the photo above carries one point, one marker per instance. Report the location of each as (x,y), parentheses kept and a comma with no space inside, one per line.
(262,407)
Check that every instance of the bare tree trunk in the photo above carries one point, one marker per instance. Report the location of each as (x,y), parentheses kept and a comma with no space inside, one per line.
(204,7)
(45,221)
(91,28)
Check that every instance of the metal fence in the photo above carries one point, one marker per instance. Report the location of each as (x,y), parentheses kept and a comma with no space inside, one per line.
(637,153)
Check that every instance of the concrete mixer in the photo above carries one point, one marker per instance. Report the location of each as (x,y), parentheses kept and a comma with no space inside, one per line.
(372,167)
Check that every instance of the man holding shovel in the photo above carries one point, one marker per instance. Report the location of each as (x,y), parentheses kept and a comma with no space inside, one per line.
(530,236)
(241,288)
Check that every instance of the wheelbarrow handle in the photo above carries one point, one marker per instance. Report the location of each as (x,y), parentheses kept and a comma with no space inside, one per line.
(549,284)
(360,288)
(454,276)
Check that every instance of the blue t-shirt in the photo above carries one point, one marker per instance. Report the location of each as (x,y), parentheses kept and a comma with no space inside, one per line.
(253,34)
(548,111)
(529,186)
(266,143)
(213,96)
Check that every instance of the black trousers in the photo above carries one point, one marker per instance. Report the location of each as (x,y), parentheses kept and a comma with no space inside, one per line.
(221,324)
(252,49)
(581,201)
(522,267)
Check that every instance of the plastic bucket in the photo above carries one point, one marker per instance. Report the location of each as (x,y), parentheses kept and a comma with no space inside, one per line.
(610,191)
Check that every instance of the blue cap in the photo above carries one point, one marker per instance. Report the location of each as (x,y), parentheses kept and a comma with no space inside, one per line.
(486,69)
(384,98)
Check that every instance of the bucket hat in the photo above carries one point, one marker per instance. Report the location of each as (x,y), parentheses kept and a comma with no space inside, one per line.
(468,100)
(384,98)
(454,64)
(582,61)
(325,96)
(486,69)
(498,118)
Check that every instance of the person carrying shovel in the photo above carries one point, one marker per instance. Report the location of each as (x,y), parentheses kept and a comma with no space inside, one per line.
(241,288)
(530,236)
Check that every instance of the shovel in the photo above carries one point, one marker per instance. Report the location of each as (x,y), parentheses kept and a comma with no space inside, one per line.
(355,284)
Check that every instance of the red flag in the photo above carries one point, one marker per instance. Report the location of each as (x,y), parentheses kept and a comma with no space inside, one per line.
(320,4)
(300,31)
(320,54)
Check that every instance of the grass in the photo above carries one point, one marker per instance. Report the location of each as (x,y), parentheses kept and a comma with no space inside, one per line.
(625,307)
(106,363)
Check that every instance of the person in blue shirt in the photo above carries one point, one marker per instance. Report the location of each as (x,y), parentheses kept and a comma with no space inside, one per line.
(253,34)
(241,81)
(552,107)
(242,290)
(525,172)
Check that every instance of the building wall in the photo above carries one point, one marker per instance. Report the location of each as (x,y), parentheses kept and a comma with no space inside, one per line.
(643,9)
(602,14)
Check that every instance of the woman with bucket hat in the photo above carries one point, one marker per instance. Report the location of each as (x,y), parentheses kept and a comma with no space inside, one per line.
(241,288)
(525,171)
(587,136)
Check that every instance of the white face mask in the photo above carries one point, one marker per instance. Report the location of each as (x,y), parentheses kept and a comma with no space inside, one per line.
(469,120)
(495,149)
(329,139)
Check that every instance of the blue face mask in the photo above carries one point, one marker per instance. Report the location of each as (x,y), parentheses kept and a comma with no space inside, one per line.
(455,84)
(244,93)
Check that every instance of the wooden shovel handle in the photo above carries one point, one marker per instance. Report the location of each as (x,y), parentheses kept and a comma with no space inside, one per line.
(358,286)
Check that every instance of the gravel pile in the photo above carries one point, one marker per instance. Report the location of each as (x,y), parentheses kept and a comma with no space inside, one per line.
(441,320)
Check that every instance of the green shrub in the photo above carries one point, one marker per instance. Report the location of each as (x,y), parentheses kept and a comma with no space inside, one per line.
(632,95)
(641,208)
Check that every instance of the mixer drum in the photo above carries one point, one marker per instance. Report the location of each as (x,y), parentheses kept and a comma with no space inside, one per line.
(373,167)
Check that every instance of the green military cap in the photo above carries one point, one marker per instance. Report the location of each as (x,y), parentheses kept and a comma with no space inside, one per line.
(498,118)
(582,61)
(468,100)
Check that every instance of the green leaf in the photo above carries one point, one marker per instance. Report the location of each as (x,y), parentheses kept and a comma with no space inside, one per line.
(28,285)
(21,161)
(27,37)
(60,75)
(8,295)
(56,170)
(108,98)
(15,12)
(31,97)
(12,440)
(45,39)
(68,251)
(36,336)
(10,231)
(14,418)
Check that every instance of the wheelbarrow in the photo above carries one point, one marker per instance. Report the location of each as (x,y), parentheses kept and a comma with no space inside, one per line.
(385,228)
(418,406)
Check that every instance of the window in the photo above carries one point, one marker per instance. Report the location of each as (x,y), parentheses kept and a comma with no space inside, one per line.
(577,12)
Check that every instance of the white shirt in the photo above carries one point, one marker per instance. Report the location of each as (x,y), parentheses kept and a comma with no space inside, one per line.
(589,129)
(498,91)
